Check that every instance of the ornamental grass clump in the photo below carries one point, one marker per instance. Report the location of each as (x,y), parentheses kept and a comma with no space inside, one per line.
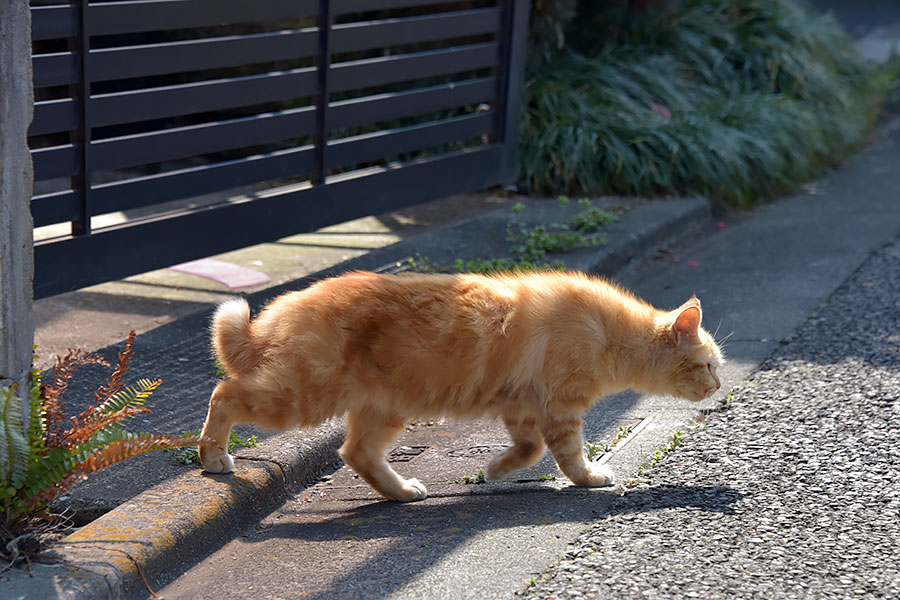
(38,463)
(735,100)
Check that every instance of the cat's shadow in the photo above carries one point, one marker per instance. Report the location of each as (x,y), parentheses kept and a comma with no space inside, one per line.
(424,533)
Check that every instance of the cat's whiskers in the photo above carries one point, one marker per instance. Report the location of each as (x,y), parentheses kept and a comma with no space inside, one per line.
(721,342)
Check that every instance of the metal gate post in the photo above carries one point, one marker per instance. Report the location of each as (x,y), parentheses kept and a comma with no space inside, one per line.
(323,64)
(515,27)
(81,137)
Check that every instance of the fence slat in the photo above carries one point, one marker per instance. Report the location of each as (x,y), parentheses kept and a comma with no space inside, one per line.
(58,68)
(358,74)
(56,207)
(59,266)
(349,37)
(389,143)
(385,107)
(52,22)
(52,116)
(198,55)
(190,98)
(181,142)
(358,6)
(131,17)
(55,162)
(195,181)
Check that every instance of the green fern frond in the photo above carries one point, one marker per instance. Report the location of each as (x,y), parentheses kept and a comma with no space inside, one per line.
(64,471)
(46,473)
(14,447)
(37,423)
(120,406)
(129,397)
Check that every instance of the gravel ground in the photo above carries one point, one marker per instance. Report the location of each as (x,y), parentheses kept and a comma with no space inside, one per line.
(790,490)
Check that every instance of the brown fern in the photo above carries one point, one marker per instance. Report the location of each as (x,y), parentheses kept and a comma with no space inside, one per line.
(84,430)
(85,424)
(115,381)
(54,412)
(114,453)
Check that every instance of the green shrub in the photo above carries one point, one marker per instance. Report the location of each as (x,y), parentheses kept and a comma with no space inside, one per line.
(736,100)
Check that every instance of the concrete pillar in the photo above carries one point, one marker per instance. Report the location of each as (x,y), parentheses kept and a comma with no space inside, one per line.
(16,179)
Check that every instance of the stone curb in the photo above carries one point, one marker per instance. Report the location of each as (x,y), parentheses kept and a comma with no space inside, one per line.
(174,523)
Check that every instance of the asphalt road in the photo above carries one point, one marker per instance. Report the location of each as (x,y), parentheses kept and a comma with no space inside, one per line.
(790,490)
(759,277)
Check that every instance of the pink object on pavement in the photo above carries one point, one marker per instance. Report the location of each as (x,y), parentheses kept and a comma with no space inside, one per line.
(234,276)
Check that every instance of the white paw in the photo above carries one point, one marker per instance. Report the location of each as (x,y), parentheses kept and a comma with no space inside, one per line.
(599,475)
(215,460)
(411,491)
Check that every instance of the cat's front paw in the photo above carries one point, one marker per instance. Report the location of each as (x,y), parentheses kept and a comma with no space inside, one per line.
(496,470)
(410,491)
(596,476)
(215,460)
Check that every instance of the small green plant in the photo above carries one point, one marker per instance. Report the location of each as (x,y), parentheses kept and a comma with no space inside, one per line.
(189,455)
(596,450)
(421,263)
(220,370)
(594,219)
(674,442)
(474,479)
(534,243)
(504,265)
(40,462)
(530,245)
(624,432)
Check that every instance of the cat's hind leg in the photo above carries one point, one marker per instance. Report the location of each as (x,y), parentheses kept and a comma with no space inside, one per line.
(224,411)
(368,435)
(528,448)
(563,437)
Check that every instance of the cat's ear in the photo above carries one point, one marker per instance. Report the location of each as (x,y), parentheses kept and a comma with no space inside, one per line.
(686,326)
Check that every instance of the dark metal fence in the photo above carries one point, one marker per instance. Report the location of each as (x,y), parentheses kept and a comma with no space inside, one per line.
(281,116)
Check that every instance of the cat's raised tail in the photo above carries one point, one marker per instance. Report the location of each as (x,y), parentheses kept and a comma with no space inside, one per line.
(233,337)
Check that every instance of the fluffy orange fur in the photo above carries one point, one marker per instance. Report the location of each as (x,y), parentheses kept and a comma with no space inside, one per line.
(534,349)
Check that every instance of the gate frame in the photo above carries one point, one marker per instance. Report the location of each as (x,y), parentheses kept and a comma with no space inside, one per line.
(135,246)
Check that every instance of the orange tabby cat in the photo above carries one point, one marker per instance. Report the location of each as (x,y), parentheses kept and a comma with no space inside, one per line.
(535,349)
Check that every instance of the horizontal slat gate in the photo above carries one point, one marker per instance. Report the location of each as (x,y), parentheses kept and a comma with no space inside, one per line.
(201,126)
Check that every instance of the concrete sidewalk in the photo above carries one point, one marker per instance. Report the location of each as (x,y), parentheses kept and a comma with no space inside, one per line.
(156,514)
